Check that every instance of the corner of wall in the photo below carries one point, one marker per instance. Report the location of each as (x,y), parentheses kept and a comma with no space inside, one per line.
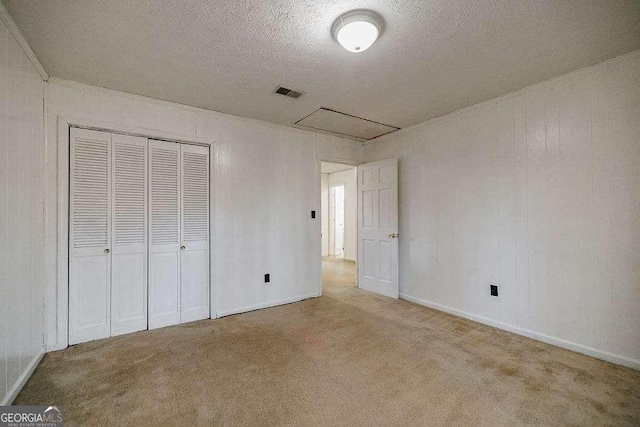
(11,25)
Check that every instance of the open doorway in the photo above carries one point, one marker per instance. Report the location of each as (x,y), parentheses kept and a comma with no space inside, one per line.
(339,226)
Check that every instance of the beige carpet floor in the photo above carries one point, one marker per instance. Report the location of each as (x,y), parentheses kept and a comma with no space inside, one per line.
(349,357)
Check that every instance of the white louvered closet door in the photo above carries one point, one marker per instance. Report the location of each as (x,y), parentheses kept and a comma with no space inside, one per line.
(164,234)
(129,235)
(194,269)
(89,235)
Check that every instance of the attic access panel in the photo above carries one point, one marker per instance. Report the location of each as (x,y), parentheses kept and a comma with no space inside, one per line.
(345,124)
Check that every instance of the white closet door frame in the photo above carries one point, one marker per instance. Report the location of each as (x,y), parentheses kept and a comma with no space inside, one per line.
(129,234)
(58,279)
(89,302)
(164,233)
(194,233)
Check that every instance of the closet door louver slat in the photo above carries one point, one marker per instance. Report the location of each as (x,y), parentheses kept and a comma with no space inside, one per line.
(195,197)
(90,193)
(165,211)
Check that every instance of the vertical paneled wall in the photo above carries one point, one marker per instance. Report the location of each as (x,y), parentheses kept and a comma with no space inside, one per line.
(265,184)
(538,192)
(22,151)
(265,181)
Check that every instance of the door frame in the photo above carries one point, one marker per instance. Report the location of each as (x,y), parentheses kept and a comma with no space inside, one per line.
(339,161)
(61,299)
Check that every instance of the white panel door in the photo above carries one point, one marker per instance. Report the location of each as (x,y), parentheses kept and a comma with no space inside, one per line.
(194,269)
(378,227)
(129,235)
(164,234)
(89,236)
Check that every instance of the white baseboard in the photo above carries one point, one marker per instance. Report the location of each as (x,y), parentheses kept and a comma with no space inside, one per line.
(266,305)
(598,354)
(13,392)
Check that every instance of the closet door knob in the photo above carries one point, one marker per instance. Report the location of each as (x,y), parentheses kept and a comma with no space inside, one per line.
(183,248)
(106,251)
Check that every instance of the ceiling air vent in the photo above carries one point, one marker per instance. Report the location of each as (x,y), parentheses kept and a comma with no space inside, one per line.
(288,92)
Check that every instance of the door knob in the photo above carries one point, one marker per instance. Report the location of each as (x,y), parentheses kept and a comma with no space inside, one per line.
(183,248)
(106,251)
(392,235)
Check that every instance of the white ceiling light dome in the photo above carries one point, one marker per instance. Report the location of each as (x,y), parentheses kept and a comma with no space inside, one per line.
(357,30)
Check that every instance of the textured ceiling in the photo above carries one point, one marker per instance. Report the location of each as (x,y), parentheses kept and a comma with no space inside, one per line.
(434,56)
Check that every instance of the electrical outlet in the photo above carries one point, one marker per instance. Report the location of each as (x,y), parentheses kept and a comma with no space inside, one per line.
(494,290)
(267,278)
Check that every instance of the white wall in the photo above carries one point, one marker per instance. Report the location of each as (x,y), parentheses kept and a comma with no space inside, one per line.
(539,192)
(324,212)
(265,184)
(349,179)
(22,155)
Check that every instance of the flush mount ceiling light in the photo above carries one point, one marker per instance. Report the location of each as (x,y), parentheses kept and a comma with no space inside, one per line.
(357,30)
